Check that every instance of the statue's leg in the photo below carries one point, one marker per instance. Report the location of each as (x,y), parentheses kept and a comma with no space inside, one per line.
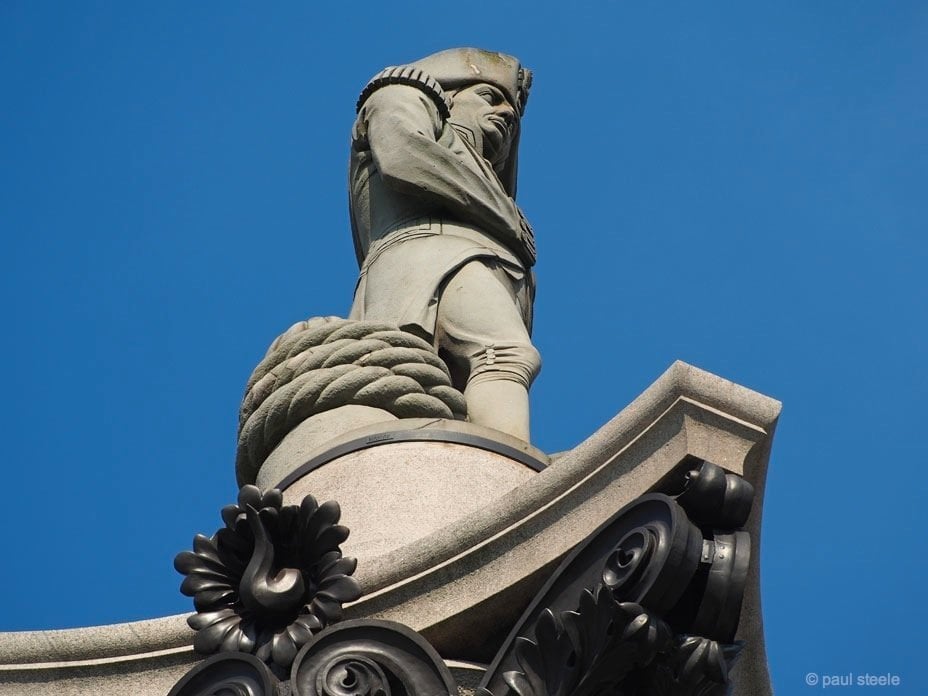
(500,404)
(481,331)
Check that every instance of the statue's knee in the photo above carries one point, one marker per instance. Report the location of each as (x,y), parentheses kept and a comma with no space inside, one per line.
(517,362)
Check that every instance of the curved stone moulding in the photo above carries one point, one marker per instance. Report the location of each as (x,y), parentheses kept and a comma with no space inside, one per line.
(464,585)
(422,475)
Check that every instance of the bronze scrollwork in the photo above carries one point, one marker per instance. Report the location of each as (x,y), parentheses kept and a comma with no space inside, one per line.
(269,580)
(648,604)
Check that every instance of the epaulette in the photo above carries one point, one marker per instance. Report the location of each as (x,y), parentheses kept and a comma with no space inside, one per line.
(414,77)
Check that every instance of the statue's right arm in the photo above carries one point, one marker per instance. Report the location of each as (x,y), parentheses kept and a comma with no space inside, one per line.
(402,127)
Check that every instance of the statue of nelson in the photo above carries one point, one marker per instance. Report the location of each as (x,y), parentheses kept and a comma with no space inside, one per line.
(443,248)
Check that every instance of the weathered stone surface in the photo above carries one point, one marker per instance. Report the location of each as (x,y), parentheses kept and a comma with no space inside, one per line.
(142,676)
(142,657)
(463,581)
(393,492)
(458,583)
(311,437)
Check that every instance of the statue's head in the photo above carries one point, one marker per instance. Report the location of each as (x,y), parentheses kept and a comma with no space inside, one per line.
(488,91)
(483,110)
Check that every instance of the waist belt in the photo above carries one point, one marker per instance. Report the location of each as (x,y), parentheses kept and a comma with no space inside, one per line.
(429,226)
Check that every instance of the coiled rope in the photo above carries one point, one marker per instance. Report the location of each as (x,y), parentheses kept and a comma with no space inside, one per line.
(327,362)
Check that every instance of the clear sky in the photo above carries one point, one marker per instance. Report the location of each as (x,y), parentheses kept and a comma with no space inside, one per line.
(742,188)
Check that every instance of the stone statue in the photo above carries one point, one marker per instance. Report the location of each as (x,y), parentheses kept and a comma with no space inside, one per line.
(444,250)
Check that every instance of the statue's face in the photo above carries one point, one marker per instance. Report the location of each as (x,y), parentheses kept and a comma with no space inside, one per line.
(484,109)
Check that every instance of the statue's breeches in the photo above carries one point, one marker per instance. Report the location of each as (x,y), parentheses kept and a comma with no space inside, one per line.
(516,362)
(480,326)
(467,295)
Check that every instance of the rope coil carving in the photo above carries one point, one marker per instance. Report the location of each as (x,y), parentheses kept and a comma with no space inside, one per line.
(327,362)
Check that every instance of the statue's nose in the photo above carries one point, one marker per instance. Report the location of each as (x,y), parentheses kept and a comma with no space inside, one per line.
(508,114)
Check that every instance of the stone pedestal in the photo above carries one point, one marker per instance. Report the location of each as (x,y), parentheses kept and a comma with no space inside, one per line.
(399,481)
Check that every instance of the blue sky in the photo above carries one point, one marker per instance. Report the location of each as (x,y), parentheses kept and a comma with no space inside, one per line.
(741,188)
